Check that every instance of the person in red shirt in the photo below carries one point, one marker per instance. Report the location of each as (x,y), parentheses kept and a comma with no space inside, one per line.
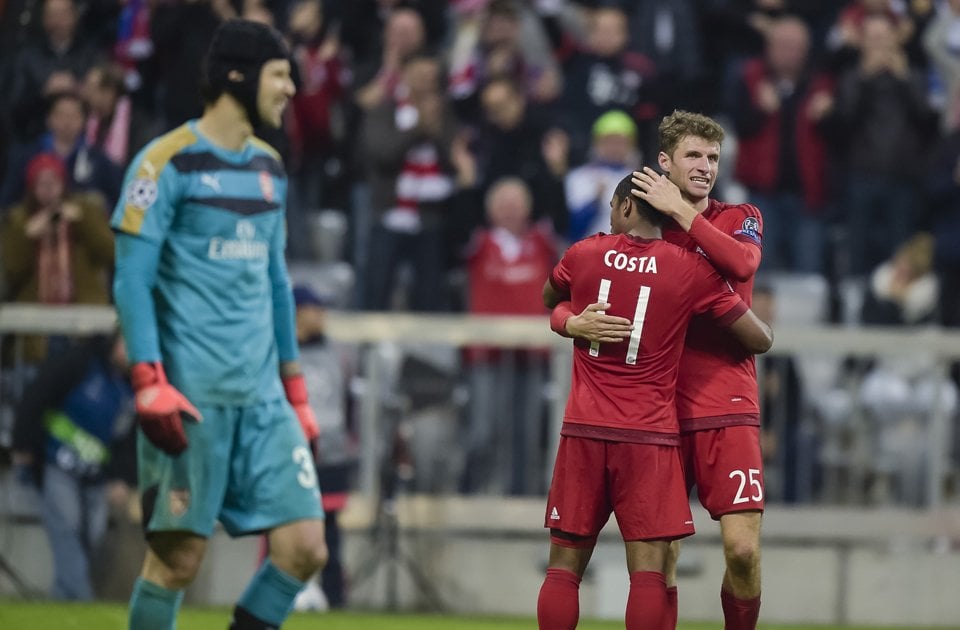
(717,400)
(506,264)
(619,441)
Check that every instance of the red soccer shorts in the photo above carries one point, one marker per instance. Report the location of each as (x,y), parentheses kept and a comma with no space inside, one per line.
(727,468)
(642,484)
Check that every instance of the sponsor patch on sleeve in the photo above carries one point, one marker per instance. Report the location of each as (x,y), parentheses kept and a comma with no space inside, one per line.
(750,229)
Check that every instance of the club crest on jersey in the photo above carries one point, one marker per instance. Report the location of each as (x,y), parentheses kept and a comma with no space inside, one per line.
(178,502)
(750,229)
(266,185)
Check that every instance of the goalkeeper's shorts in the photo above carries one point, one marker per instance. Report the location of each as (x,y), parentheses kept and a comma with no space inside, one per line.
(248,467)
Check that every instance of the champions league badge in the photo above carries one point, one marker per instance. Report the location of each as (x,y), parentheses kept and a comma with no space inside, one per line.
(750,229)
(141,193)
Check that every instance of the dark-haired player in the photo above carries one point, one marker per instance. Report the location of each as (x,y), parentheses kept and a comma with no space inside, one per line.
(207,313)
(717,400)
(619,443)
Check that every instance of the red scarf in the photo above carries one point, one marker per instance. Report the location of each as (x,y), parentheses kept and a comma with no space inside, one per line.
(54,273)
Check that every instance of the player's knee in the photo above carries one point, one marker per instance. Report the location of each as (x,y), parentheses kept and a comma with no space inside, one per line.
(308,556)
(742,555)
(316,557)
(174,561)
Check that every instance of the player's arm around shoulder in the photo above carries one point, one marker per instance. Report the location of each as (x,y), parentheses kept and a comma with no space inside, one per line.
(753,333)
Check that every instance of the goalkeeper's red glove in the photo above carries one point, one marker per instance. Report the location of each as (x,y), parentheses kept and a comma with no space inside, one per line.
(296,390)
(159,407)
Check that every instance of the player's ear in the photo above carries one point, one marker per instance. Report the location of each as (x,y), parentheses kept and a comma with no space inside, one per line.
(663,160)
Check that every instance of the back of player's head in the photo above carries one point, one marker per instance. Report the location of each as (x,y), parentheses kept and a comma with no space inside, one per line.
(647,212)
(235,58)
(680,124)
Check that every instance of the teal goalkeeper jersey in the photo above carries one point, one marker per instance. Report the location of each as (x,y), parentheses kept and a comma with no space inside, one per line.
(218,219)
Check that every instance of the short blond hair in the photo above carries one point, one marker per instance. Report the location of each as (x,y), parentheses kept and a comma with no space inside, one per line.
(680,124)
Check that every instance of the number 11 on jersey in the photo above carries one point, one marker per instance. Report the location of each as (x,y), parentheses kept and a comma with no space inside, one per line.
(639,315)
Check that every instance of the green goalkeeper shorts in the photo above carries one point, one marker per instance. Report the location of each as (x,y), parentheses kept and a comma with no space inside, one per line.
(248,467)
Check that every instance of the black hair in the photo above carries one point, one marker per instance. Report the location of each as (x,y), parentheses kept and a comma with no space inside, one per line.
(643,207)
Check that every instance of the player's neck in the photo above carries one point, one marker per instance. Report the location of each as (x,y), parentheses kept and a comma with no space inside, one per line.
(646,232)
(225,124)
(699,204)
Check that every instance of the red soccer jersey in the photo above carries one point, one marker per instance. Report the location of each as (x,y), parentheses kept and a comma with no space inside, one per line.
(717,382)
(625,391)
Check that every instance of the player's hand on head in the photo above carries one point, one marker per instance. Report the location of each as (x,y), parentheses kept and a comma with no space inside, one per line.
(160,408)
(594,325)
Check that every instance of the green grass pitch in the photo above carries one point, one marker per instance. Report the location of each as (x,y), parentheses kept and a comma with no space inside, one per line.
(50,615)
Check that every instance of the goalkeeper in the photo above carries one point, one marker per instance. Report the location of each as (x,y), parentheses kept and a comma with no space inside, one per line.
(206,309)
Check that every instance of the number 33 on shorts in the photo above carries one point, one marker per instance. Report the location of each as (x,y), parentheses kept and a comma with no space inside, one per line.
(750,485)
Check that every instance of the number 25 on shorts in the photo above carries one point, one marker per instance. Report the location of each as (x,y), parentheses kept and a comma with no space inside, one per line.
(756,485)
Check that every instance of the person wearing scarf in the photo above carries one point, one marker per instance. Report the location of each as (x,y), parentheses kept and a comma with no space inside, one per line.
(55,247)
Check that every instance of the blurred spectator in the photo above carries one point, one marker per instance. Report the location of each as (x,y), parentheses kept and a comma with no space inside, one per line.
(846,37)
(133,46)
(884,123)
(943,187)
(666,32)
(69,428)
(56,247)
(941,40)
(323,78)
(601,74)
(42,68)
(493,43)
(780,103)
(115,125)
(514,142)
(363,27)
(590,186)
(326,369)
(181,32)
(788,450)
(88,169)
(507,263)
(901,394)
(904,290)
(403,37)
(407,147)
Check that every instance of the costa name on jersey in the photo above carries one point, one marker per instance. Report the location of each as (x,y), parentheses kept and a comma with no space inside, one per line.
(623,262)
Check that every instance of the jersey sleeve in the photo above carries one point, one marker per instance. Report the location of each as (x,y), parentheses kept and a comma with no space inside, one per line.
(714,296)
(133,282)
(562,272)
(734,244)
(284,312)
(149,200)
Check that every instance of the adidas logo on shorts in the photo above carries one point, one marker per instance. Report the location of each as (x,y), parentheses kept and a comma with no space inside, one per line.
(554,515)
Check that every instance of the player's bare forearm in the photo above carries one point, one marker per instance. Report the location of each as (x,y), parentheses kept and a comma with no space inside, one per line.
(552,297)
(754,334)
(594,325)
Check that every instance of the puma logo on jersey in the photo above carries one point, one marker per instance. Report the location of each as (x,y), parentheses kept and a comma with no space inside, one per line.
(554,515)
(212,181)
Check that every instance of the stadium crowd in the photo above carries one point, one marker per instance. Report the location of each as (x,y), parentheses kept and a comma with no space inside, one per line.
(845,116)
